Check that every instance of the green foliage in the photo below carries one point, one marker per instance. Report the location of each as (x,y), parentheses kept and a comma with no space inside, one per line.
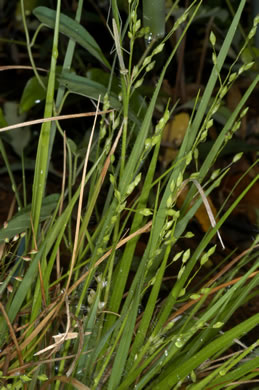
(21,221)
(33,93)
(22,381)
(105,319)
(73,30)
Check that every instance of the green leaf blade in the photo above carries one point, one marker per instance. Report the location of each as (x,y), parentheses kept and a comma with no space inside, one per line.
(73,30)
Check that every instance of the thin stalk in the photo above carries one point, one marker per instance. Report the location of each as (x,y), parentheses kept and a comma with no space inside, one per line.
(10,173)
(24,182)
(41,168)
(66,67)
(124,82)
(28,43)
(171,10)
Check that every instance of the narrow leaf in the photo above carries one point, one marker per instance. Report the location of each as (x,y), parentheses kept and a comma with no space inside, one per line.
(73,30)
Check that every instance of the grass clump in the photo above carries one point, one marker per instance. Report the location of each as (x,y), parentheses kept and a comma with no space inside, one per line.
(107,320)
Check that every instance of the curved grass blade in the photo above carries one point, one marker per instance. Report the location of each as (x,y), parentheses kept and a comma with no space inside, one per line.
(22,220)
(93,89)
(72,29)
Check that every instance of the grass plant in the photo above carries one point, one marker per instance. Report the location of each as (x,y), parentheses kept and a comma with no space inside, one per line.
(104,322)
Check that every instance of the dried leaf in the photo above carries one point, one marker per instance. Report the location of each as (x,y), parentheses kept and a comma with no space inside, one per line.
(201,214)
(173,136)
